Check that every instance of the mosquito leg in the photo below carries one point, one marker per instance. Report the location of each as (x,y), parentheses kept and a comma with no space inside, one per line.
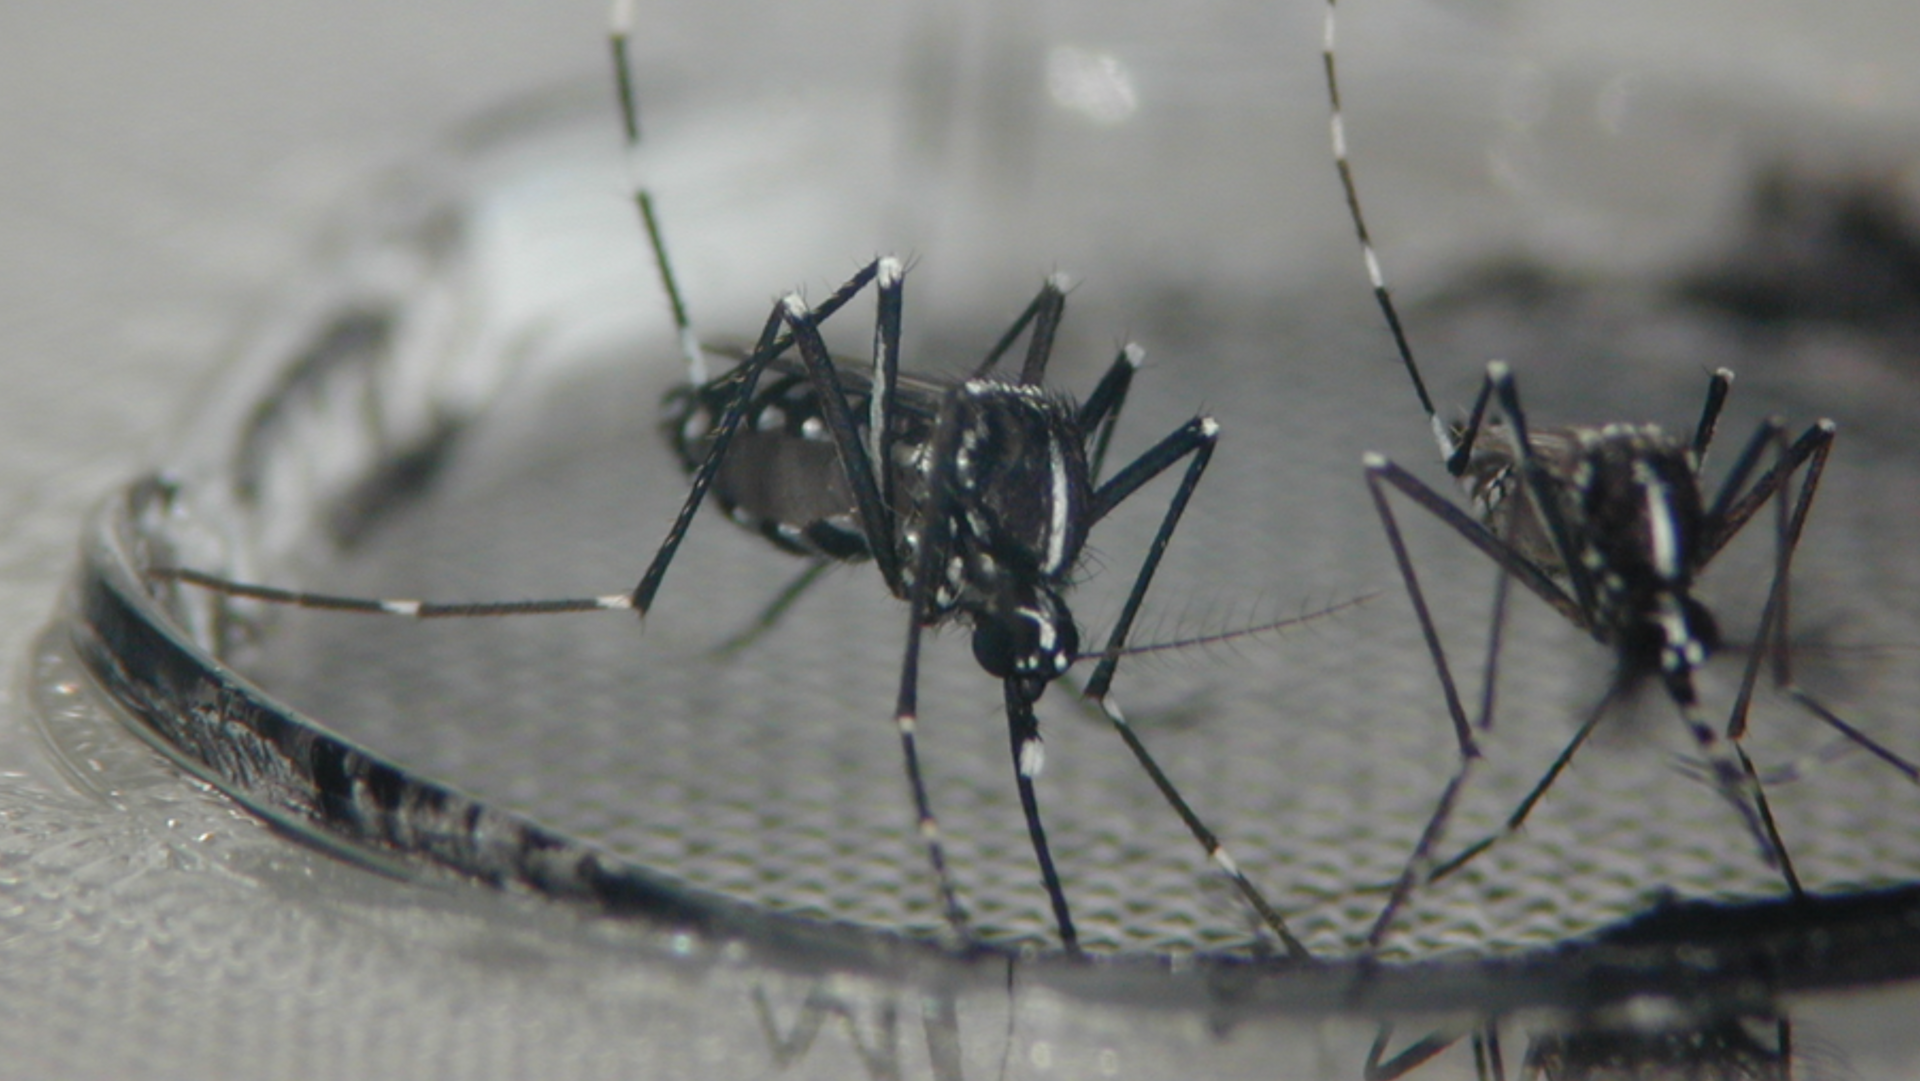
(1539,488)
(1811,449)
(905,718)
(876,517)
(1419,866)
(1487,1060)
(1378,469)
(1415,1056)
(1419,869)
(776,609)
(1101,411)
(1864,741)
(769,346)
(1517,566)
(1770,828)
(1730,514)
(1734,778)
(1818,442)
(1772,633)
(1496,640)
(1718,387)
(890,284)
(748,375)
(934,540)
(1023,732)
(1519,816)
(1462,445)
(1787,526)
(1720,531)
(1046,325)
(1196,438)
(409,609)
(1045,307)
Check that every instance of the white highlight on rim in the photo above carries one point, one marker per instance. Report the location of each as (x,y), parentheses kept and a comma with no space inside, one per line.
(1209,427)
(890,272)
(906,723)
(615,602)
(1373,459)
(1033,758)
(1498,371)
(620,17)
(1134,354)
(400,608)
(1060,282)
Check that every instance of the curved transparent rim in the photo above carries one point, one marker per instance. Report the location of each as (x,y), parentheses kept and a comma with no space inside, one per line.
(292,771)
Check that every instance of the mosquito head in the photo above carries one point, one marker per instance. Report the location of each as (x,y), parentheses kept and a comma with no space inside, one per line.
(1031,642)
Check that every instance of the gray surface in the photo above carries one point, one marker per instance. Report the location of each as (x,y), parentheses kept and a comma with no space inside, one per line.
(161,201)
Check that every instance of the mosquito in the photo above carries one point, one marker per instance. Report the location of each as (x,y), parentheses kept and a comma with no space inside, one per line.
(1758,1045)
(1610,525)
(973,498)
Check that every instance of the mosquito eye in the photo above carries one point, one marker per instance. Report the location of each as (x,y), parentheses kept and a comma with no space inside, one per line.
(993,648)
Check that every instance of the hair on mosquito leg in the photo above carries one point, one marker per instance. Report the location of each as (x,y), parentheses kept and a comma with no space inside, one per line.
(972,498)
(1609,525)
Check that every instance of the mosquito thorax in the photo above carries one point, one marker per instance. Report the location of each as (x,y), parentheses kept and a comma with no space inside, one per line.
(1633,504)
(1021,493)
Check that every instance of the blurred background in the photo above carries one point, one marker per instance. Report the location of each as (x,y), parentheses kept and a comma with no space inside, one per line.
(171,171)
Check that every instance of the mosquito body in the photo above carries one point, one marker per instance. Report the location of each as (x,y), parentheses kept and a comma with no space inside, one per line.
(1017,497)
(979,516)
(1758,1046)
(973,498)
(1611,525)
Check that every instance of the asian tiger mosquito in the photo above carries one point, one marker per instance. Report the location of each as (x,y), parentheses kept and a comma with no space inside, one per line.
(1759,1045)
(1609,525)
(973,499)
